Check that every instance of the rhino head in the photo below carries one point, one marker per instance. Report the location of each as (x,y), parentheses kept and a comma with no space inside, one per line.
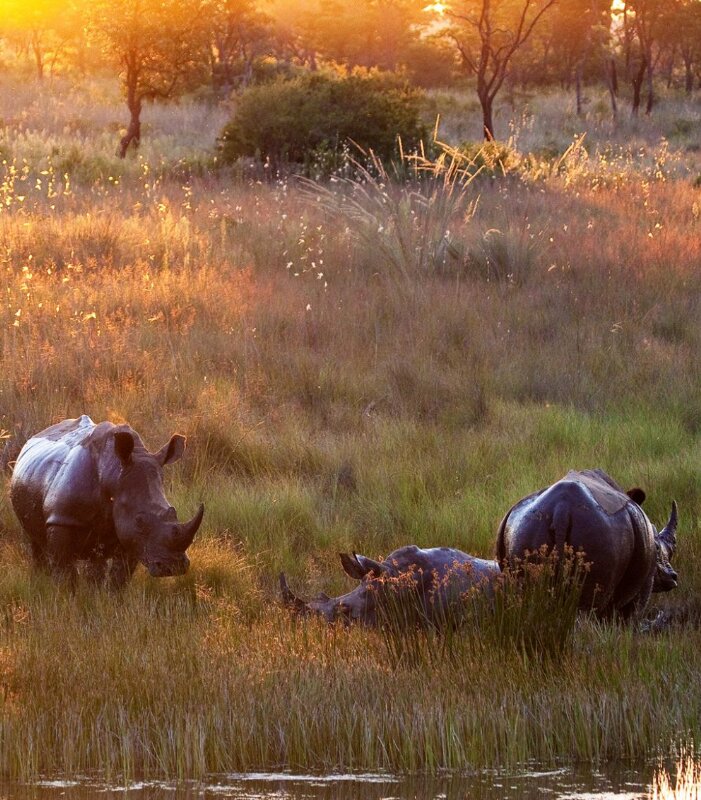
(359,605)
(145,523)
(665,544)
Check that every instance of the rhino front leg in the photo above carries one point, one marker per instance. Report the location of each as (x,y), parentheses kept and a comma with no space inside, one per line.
(60,554)
(121,569)
(95,570)
(39,556)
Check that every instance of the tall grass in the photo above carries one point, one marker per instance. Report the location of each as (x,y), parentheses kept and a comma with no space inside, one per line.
(326,409)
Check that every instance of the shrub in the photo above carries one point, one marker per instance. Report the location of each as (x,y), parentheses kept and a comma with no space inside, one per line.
(314,117)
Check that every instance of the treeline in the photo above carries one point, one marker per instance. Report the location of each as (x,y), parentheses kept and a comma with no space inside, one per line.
(162,48)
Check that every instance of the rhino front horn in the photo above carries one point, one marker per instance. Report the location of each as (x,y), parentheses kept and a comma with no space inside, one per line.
(289,599)
(185,531)
(669,532)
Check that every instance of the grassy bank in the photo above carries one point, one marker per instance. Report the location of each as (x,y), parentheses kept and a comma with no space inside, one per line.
(336,398)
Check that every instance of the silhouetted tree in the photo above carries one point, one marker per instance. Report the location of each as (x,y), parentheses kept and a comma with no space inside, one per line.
(41,28)
(241,33)
(488,34)
(159,48)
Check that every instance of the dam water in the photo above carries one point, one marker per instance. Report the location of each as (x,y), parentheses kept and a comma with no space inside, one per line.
(610,782)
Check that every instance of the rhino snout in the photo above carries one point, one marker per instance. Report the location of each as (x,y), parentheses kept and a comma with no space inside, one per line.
(665,580)
(168,567)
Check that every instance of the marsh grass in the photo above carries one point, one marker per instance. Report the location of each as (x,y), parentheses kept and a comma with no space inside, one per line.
(531,611)
(681,783)
(327,410)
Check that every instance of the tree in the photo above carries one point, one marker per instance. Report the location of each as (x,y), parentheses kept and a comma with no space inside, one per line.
(642,24)
(292,26)
(241,33)
(580,30)
(488,34)
(159,48)
(42,28)
(684,26)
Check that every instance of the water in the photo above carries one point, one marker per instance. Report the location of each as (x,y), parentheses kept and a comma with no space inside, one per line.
(610,783)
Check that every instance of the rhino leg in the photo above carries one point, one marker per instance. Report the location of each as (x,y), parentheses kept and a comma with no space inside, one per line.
(95,570)
(59,552)
(121,569)
(39,556)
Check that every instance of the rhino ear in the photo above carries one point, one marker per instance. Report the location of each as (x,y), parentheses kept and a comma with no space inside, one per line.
(123,446)
(637,495)
(358,566)
(171,452)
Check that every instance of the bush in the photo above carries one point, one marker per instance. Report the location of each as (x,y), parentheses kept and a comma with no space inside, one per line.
(314,117)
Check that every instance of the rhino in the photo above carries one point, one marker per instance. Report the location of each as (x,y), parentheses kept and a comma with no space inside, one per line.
(435,580)
(626,558)
(94,493)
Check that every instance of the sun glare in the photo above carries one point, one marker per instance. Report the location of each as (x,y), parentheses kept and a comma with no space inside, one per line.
(437,8)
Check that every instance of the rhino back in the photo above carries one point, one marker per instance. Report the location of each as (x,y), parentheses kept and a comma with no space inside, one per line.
(54,480)
(618,547)
(444,570)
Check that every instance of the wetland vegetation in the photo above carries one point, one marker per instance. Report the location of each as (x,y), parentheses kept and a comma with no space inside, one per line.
(357,365)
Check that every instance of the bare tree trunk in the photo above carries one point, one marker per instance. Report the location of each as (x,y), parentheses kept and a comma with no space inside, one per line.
(688,76)
(487,117)
(650,88)
(133,134)
(578,87)
(637,82)
(38,57)
(612,82)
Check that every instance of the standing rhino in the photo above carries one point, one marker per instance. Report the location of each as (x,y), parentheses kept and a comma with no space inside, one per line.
(94,492)
(588,512)
(435,579)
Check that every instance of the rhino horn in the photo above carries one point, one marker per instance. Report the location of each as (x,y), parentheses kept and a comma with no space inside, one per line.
(358,566)
(669,533)
(290,599)
(185,531)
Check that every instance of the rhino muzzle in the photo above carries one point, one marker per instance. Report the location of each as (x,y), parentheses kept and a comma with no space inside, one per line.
(168,567)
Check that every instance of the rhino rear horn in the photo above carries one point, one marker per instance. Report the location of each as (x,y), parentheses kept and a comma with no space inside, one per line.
(289,599)
(358,566)
(185,531)
(669,533)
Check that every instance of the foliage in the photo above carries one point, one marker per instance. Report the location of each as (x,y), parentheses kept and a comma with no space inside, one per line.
(298,120)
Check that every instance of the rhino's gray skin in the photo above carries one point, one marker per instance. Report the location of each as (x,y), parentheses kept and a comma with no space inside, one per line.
(94,492)
(589,512)
(438,577)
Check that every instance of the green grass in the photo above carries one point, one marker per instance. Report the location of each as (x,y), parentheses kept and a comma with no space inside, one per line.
(335,399)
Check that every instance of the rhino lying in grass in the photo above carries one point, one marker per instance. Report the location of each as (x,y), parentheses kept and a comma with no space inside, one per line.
(589,512)
(433,581)
(95,493)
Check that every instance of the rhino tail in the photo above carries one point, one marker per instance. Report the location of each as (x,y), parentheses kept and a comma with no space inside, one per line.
(561,527)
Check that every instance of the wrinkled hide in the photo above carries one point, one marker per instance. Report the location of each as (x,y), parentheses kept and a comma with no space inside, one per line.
(435,580)
(588,512)
(94,493)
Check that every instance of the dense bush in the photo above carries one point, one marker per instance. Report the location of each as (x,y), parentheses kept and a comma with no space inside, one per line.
(314,117)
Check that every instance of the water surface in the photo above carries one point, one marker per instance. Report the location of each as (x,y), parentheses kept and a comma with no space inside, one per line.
(609,783)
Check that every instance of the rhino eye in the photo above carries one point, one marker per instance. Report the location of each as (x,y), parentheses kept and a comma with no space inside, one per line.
(140,522)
